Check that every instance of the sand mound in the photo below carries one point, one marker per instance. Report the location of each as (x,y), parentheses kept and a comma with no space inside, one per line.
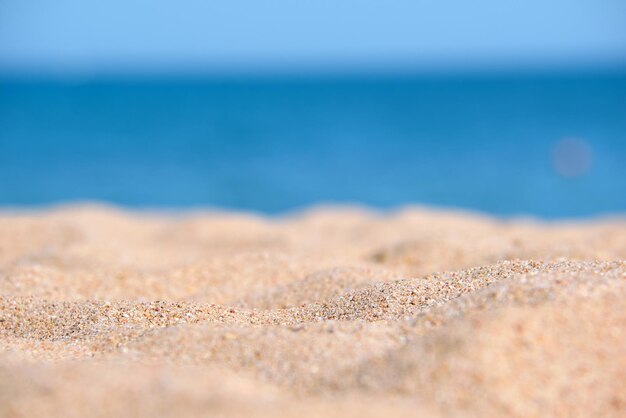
(339,312)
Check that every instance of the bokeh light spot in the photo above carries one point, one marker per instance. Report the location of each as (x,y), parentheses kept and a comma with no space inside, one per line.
(572,157)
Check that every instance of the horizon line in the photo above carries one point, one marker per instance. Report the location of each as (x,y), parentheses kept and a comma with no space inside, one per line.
(313,69)
(300,74)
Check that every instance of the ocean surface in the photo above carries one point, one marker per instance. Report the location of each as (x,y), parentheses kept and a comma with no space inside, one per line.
(550,145)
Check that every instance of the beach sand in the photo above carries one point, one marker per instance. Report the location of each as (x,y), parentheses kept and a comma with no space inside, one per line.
(327,312)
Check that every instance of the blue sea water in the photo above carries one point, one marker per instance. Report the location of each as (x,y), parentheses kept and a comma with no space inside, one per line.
(482,142)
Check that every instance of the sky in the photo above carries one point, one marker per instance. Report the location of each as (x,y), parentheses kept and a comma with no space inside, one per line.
(74,36)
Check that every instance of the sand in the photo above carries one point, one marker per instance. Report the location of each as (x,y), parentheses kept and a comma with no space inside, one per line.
(326,312)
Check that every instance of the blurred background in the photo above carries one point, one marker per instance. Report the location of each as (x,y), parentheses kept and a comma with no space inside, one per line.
(505,107)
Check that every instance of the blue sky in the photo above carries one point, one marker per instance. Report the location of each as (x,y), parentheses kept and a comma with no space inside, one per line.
(204,35)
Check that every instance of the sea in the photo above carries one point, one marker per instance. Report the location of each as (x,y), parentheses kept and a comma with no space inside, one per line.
(546,145)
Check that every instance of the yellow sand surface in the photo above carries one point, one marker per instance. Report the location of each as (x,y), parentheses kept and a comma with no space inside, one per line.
(331,311)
